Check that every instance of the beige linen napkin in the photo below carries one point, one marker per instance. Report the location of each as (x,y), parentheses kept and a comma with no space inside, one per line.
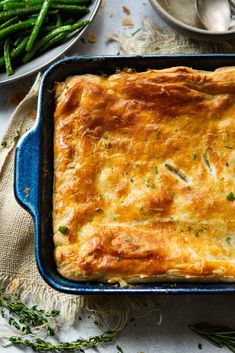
(18,269)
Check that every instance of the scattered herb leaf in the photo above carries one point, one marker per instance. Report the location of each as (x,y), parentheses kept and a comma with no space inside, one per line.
(63,229)
(155,170)
(147,180)
(119,349)
(128,239)
(230,196)
(132,34)
(158,133)
(194,156)
(104,74)
(206,161)
(219,336)
(176,172)
(228,240)
(17,136)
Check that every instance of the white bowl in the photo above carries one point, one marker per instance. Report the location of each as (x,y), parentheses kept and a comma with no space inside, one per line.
(181,15)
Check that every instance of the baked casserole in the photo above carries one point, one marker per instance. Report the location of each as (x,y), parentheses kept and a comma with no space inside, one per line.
(144,176)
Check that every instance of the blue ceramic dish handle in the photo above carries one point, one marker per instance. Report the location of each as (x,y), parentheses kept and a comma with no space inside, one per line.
(27,171)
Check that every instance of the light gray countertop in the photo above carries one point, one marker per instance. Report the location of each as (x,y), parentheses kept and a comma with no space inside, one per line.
(142,334)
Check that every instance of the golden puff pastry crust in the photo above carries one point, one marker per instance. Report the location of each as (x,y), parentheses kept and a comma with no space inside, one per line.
(144,176)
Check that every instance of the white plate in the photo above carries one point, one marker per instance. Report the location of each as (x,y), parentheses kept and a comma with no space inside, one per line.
(43,60)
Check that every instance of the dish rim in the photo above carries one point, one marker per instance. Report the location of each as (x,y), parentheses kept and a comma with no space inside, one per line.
(73,287)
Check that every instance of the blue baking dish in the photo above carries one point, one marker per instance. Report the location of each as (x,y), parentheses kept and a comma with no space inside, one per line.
(34,169)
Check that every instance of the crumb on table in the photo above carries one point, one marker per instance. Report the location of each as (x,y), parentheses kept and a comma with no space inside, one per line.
(127,22)
(91,38)
(126,10)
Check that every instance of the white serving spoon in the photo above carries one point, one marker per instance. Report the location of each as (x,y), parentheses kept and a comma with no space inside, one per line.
(215,15)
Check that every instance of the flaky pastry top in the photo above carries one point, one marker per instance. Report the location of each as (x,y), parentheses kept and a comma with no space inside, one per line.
(144,171)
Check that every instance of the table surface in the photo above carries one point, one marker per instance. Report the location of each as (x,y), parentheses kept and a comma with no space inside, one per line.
(142,334)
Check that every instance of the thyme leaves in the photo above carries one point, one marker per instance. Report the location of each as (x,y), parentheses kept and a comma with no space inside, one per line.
(176,171)
(230,196)
(23,318)
(219,336)
(80,344)
(206,161)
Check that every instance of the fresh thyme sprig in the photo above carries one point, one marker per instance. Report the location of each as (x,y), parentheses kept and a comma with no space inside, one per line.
(80,344)
(27,316)
(220,336)
(24,318)
(12,322)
